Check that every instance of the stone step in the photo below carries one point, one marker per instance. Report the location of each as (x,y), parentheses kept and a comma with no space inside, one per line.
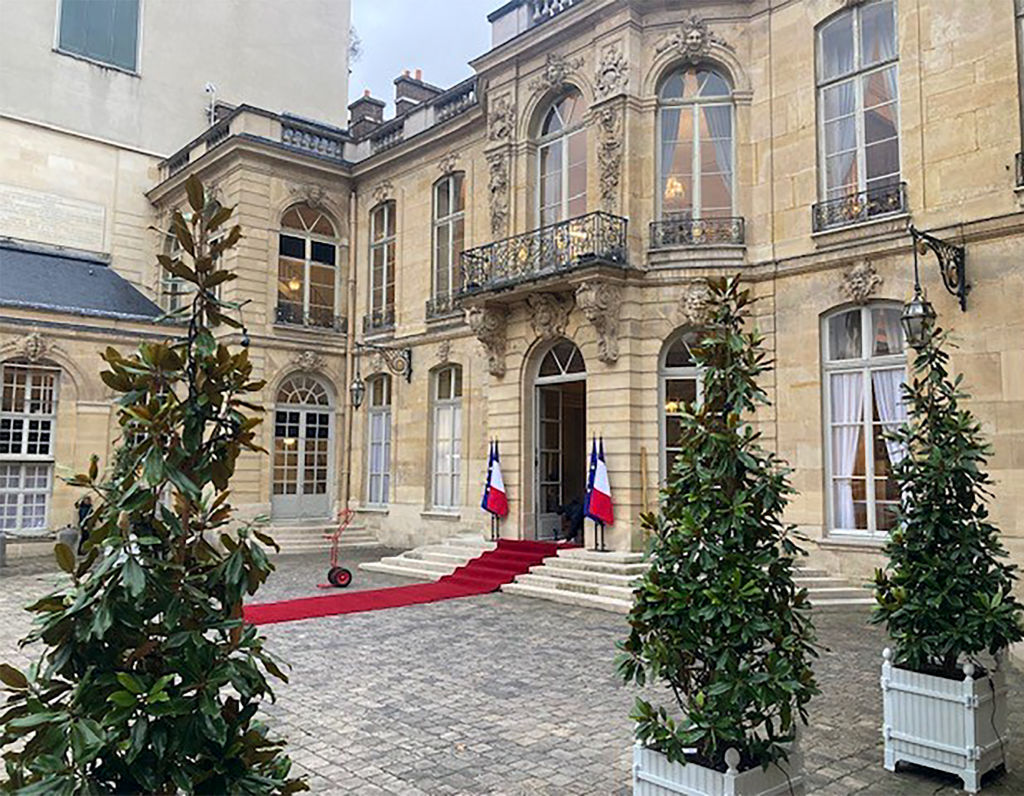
(442,555)
(583,587)
(553,570)
(569,597)
(588,565)
(473,542)
(582,554)
(404,570)
(415,563)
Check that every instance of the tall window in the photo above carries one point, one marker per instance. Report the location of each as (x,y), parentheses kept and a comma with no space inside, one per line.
(858,104)
(307,269)
(28,409)
(175,292)
(382,266)
(679,387)
(562,159)
(378,482)
(449,235)
(447,436)
(864,370)
(696,145)
(103,30)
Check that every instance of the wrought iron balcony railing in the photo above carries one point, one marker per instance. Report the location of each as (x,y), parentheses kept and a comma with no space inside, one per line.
(379,321)
(317,317)
(443,305)
(685,231)
(595,238)
(857,207)
(1020,170)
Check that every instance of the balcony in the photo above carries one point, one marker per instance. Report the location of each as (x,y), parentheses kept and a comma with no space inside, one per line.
(443,306)
(316,318)
(685,231)
(856,208)
(519,16)
(595,239)
(379,321)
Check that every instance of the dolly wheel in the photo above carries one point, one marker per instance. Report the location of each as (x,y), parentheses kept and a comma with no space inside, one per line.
(339,576)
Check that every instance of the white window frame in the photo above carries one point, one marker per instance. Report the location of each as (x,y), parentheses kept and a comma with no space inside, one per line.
(856,77)
(865,365)
(136,72)
(309,238)
(447,467)
(561,139)
(389,210)
(696,103)
(379,416)
(457,178)
(666,374)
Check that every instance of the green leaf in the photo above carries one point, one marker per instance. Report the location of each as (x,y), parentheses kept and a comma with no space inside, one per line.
(12,677)
(134,577)
(196,194)
(123,699)
(65,557)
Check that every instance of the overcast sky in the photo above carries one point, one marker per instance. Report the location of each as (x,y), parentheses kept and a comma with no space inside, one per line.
(439,37)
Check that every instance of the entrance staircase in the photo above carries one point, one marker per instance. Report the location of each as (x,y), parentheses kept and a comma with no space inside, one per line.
(585,577)
(298,539)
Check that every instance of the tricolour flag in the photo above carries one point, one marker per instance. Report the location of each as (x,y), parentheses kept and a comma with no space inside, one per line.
(598,505)
(495,501)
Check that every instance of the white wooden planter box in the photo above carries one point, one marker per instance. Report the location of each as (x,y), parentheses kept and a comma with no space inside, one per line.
(957,726)
(654,775)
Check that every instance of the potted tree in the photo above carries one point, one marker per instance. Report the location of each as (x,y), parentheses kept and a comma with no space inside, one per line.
(150,681)
(717,618)
(946,595)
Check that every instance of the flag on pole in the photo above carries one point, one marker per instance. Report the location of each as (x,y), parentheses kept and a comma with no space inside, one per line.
(598,506)
(495,501)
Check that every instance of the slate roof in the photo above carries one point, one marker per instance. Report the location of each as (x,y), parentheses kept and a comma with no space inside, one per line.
(63,282)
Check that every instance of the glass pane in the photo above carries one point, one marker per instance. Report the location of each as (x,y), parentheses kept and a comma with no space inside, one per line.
(887,334)
(679,393)
(839,100)
(290,282)
(324,253)
(882,160)
(835,41)
(879,87)
(877,33)
(442,199)
(844,336)
(458,193)
(444,384)
(673,430)
(457,392)
(549,436)
(293,247)
(678,354)
(712,84)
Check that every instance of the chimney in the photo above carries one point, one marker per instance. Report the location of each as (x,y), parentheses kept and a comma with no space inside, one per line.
(411,91)
(365,114)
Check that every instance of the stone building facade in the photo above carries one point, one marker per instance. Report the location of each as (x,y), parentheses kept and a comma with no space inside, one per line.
(521,258)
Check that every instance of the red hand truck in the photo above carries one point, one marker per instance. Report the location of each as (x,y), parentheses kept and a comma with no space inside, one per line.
(337,575)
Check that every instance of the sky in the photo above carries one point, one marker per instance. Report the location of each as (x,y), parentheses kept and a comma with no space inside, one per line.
(402,34)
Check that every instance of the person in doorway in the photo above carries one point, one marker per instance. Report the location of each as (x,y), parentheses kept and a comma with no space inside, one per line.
(84,509)
(572,520)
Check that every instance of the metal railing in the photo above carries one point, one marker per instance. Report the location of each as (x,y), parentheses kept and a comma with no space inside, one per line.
(444,305)
(317,317)
(684,231)
(857,207)
(379,321)
(584,240)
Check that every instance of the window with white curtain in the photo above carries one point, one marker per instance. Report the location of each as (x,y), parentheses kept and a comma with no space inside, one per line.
(864,368)
(679,388)
(858,102)
(449,233)
(447,436)
(695,145)
(562,160)
(28,413)
(378,465)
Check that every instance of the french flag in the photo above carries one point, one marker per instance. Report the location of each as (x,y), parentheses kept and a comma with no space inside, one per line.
(598,504)
(495,500)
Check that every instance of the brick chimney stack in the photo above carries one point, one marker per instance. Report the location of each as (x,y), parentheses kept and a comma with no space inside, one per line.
(411,91)
(365,114)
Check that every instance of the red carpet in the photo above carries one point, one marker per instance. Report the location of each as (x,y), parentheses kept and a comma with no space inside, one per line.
(483,574)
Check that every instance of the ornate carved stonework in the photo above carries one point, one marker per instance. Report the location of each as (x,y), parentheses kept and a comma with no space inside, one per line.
(860,282)
(612,72)
(501,119)
(557,69)
(600,303)
(313,195)
(310,360)
(33,347)
(550,314)
(376,362)
(444,351)
(382,191)
(694,306)
(489,325)
(693,41)
(497,186)
(609,157)
(449,163)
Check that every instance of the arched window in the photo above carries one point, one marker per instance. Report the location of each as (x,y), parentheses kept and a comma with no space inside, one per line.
(679,386)
(382,268)
(563,359)
(696,150)
(302,449)
(447,419)
(864,366)
(28,414)
(449,235)
(308,289)
(378,464)
(562,161)
(858,107)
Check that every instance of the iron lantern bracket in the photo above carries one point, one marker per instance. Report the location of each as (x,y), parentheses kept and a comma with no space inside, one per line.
(952,261)
(398,360)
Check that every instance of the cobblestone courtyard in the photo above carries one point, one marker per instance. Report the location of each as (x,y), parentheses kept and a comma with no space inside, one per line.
(507,695)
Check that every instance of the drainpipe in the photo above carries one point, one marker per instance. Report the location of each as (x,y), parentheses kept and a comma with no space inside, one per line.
(346,476)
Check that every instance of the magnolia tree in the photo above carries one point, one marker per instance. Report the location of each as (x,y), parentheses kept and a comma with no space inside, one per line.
(150,681)
(946,593)
(717,618)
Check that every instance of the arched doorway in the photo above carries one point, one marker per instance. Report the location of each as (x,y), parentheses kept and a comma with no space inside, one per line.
(303,425)
(560,409)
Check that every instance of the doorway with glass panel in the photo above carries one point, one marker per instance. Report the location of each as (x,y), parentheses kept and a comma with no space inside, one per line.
(302,470)
(560,465)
